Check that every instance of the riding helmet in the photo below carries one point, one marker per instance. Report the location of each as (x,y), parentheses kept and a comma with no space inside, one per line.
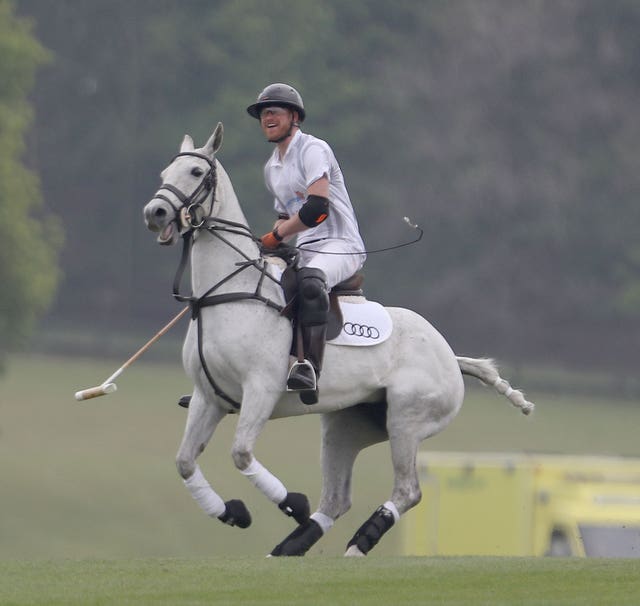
(280,95)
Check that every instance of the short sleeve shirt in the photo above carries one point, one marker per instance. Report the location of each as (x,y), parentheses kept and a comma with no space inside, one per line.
(306,160)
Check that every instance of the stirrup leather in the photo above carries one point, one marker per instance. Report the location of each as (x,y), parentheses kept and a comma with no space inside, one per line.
(307,371)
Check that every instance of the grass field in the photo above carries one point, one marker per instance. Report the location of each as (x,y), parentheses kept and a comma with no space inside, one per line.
(93,511)
(322,581)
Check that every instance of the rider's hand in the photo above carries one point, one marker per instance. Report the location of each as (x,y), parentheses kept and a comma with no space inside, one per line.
(271,239)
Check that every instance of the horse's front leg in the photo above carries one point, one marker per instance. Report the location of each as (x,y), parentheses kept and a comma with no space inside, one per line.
(257,407)
(202,421)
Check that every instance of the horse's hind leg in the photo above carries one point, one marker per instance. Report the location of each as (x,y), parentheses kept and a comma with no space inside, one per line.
(409,421)
(344,434)
(406,493)
(202,421)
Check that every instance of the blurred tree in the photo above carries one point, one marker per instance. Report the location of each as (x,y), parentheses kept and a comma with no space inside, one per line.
(520,129)
(507,130)
(30,237)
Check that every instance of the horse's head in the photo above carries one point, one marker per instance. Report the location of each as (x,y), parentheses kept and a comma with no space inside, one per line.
(187,194)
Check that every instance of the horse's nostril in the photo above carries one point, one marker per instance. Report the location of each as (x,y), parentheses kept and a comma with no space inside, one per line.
(160,213)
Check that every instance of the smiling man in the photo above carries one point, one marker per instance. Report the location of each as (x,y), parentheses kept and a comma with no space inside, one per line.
(312,203)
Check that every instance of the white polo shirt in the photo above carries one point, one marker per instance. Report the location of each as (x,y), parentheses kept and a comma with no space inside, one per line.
(306,160)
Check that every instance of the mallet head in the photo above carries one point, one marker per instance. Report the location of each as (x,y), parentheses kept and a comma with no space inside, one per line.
(96,392)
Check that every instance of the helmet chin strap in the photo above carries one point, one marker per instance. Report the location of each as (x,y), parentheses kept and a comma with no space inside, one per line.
(288,134)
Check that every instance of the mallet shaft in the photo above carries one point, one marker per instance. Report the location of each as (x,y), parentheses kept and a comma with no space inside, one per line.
(108,386)
(147,345)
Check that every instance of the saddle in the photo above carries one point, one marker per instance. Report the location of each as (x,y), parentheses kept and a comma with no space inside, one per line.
(351,287)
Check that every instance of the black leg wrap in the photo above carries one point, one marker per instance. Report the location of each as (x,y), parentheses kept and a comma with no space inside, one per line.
(300,540)
(296,505)
(368,535)
(236,514)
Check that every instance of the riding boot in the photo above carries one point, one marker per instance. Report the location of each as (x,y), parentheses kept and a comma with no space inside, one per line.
(313,314)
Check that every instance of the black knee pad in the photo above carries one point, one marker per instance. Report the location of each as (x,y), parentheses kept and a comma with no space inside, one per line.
(314,298)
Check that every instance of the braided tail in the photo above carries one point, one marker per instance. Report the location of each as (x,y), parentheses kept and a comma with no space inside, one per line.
(486,371)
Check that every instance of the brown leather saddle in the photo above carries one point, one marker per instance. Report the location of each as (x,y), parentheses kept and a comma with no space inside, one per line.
(351,287)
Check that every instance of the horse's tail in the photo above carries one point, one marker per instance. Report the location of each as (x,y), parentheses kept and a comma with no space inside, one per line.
(486,370)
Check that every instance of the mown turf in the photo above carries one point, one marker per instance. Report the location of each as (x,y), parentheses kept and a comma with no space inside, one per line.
(319,581)
(92,511)
(98,480)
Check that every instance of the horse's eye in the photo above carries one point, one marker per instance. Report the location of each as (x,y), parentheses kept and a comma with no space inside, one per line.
(197,172)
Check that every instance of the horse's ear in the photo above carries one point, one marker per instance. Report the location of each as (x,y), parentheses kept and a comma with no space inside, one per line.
(215,140)
(187,144)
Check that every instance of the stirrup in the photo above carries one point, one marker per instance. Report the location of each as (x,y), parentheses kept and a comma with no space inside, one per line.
(306,379)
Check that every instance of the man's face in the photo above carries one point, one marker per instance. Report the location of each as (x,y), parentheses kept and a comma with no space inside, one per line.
(275,122)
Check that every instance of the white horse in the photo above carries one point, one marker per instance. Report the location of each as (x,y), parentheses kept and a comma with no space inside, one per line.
(236,353)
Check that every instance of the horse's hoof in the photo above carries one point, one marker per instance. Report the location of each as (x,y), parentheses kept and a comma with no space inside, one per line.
(236,514)
(296,505)
(368,535)
(354,552)
(184,401)
(300,540)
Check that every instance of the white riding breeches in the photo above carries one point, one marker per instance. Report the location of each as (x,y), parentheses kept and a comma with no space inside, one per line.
(337,267)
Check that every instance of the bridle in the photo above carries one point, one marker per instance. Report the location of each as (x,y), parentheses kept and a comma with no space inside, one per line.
(190,215)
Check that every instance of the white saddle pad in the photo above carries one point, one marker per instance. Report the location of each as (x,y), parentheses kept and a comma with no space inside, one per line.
(365,323)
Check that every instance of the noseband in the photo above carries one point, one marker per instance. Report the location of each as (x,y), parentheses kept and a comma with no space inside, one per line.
(190,215)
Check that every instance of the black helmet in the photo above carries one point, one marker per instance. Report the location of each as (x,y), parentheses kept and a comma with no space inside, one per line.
(280,95)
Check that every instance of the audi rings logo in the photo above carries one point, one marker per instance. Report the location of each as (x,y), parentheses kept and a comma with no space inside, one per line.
(361,330)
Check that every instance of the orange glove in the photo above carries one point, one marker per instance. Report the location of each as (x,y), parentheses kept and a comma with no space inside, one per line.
(271,239)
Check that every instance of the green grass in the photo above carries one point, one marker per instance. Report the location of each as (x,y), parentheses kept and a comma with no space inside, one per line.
(321,581)
(97,479)
(93,512)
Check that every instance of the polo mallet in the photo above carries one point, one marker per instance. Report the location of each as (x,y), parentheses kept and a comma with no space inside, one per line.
(108,386)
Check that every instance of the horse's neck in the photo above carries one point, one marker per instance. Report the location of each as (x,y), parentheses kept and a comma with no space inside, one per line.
(226,205)
(214,258)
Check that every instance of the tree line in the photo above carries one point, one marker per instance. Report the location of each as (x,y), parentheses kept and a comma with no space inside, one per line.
(507,131)
(30,237)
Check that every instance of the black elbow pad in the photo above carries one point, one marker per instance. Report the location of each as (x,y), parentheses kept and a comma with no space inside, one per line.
(314,211)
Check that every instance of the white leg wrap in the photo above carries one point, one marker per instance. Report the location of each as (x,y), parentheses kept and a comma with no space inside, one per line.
(325,522)
(503,387)
(204,495)
(266,482)
(393,509)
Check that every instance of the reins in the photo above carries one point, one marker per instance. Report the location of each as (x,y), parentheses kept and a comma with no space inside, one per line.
(209,299)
